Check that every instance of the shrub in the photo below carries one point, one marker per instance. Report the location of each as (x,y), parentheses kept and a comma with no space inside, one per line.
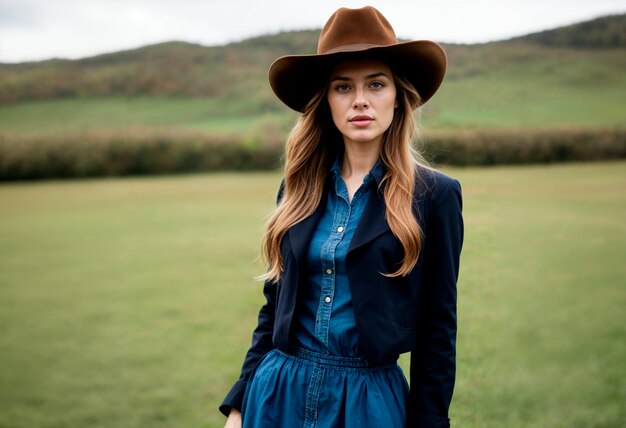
(153,151)
(129,153)
(507,146)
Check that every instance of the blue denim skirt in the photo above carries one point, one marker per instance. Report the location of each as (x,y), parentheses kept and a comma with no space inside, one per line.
(308,389)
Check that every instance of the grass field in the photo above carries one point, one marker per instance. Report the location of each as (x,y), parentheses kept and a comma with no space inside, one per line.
(107,114)
(130,302)
(455,107)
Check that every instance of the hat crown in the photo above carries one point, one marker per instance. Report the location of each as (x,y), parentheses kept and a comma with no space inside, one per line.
(352,29)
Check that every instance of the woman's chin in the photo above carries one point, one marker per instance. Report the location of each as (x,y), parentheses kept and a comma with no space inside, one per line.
(363,137)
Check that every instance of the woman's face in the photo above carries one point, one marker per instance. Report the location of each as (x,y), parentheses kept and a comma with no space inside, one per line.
(362,99)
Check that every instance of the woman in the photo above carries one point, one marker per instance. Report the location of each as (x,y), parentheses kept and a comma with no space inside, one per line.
(363,248)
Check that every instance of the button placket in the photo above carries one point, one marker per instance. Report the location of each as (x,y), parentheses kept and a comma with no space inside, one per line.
(327,323)
(324,311)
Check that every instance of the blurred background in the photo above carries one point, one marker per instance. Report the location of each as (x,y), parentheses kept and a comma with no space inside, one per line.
(140,149)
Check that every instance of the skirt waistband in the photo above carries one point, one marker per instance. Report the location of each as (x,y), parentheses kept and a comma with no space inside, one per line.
(332,360)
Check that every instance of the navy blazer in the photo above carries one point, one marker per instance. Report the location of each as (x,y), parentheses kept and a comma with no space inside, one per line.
(415,313)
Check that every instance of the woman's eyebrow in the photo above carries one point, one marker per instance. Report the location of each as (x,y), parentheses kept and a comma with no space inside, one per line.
(369,76)
(378,74)
(340,78)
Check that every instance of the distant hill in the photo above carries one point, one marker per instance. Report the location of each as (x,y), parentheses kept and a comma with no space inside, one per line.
(237,73)
(604,32)
(170,69)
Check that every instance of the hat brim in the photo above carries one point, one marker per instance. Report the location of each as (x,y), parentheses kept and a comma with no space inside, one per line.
(296,78)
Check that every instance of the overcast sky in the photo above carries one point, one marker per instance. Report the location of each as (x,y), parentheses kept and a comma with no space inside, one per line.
(42,29)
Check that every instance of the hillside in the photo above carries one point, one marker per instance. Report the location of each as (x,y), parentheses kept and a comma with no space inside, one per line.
(177,69)
(171,69)
(603,32)
(547,79)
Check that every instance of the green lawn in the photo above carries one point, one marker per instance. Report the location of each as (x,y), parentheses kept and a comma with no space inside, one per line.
(110,114)
(560,88)
(130,302)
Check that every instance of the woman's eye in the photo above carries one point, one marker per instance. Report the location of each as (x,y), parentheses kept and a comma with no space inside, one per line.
(342,87)
(376,85)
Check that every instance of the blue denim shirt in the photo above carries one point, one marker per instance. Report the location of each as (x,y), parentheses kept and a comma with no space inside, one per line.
(324,319)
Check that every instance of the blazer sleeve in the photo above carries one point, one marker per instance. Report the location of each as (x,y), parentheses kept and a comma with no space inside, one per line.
(262,342)
(433,361)
(261,345)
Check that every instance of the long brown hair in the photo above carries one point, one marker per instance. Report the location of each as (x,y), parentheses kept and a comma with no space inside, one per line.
(311,147)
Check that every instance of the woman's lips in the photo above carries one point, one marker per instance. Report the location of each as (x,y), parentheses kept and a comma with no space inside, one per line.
(361,121)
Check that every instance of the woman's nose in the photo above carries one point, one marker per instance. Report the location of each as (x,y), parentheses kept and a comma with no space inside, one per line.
(360,100)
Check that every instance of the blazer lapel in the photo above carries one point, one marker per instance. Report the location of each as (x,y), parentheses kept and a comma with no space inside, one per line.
(372,223)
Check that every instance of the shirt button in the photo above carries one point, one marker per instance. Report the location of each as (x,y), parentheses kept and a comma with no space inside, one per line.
(340,229)
(327,299)
(329,271)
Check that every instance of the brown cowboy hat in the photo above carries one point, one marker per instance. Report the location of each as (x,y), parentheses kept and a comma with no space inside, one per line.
(356,33)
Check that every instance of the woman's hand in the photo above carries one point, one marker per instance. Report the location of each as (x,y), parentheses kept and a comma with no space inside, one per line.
(234,419)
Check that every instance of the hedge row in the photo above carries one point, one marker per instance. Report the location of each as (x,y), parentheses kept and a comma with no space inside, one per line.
(507,146)
(158,152)
(130,153)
